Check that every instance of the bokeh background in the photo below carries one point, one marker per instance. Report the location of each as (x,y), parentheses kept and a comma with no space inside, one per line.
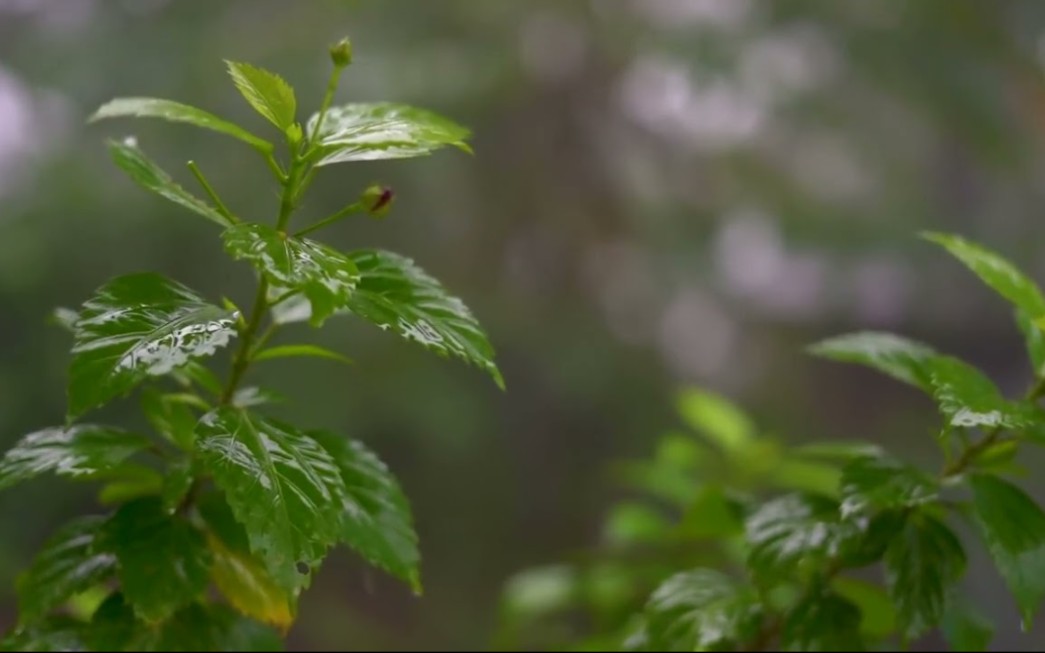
(664,193)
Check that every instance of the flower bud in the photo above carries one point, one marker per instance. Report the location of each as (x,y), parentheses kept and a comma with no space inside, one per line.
(377,200)
(341,53)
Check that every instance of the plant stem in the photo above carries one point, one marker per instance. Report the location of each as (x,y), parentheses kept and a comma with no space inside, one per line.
(972,452)
(241,360)
(222,209)
(343,213)
(328,99)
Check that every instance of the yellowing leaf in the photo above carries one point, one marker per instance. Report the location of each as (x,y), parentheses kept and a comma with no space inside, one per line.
(248,587)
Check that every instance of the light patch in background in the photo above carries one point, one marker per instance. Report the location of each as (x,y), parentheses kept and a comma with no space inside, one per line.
(826,167)
(726,15)
(552,47)
(696,335)
(787,62)
(881,290)
(32,123)
(753,264)
(621,276)
(714,114)
(59,16)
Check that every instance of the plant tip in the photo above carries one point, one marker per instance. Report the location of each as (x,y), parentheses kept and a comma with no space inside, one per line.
(341,53)
(377,200)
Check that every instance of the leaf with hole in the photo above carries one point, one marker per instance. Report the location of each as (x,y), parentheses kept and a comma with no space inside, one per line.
(282,486)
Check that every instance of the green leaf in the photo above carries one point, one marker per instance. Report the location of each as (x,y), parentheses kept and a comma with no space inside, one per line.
(288,351)
(923,562)
(136,326)
(139,107)
(806,476)
(248,587)
(711,514)
(64,317)
(632,523)
(173,420)
(1034,338)
(1013,526)
(877,613)
(840,451)
(177,484)
(254,396)
(128,481)
(967,630)
(701,610)
(967,398)
(364,132)
(717,418)
(164,560)
(79,451)
(151,177)
(267,92)
(900,358)
(796,529)
(822,621)
(194,372)
(51,634)
(70,562)
(396,294)
(540,590)
(325,276)
(995,271)
(883,483)
(281,485)
(194,628)
(376,518)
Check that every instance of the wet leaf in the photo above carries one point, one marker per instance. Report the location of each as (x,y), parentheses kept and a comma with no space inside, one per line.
(139,107)
(150,176)
(903,359)
(1013,526)
(376,518)
(70,562)
(323,275)
(701,610)
(267,92)
(136,326)
(363,132)
(80,451)
(282,486)
(995,271)
(163,560)
(922,564)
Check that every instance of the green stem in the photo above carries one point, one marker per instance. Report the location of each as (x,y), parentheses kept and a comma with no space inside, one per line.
(281,177)
(343,213)
(972,452)
(222,209)
(328,99)
(241,360)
